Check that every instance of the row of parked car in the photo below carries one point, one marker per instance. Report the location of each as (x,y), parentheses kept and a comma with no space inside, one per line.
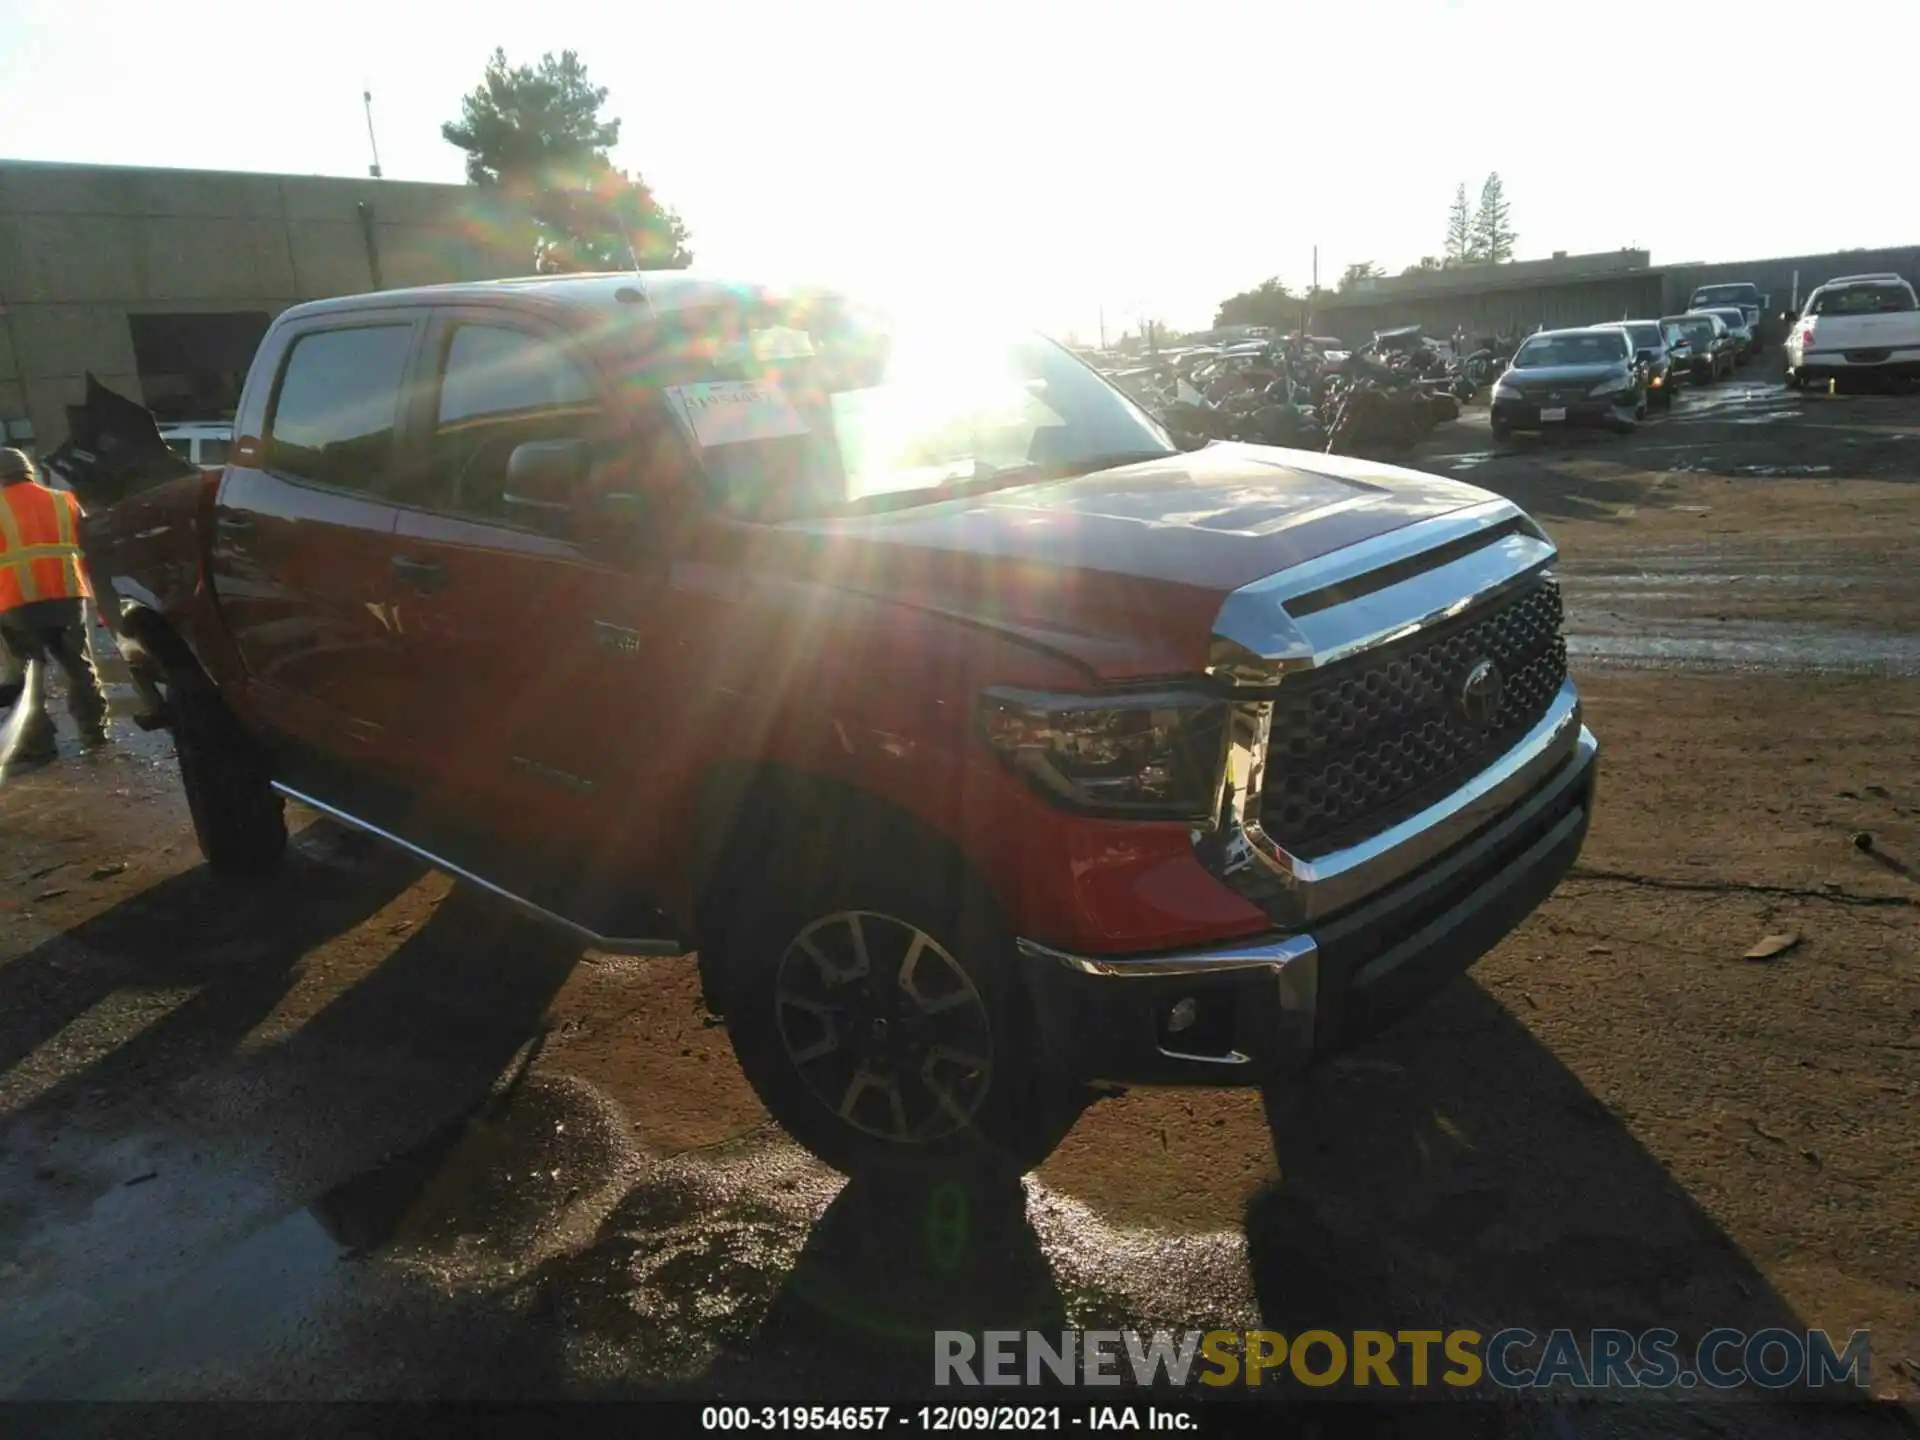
(1611,375)
(1856,328)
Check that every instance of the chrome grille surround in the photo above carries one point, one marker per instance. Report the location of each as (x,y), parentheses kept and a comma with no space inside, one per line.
(1393,597)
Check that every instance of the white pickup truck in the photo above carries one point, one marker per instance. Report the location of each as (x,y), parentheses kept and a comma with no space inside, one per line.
(1854,326)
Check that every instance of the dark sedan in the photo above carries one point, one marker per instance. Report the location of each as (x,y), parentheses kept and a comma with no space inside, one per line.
(1571,377)
(1752,304)
(1651,347)
(1746,343)
(1710,342)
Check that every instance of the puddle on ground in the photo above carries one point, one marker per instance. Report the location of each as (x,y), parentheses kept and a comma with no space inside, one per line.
(216,1318)
(535,1222)
(1754,645)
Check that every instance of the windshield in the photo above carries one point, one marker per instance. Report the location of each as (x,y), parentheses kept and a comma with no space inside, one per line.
(1592,347)
(1861,300)
(1645,337)
(813,407)
(1726,295)
(1735,320)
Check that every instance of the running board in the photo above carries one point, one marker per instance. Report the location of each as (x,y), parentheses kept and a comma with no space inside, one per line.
(618,945)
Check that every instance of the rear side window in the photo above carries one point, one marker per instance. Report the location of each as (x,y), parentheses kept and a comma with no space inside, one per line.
(333,420)
(1862,300)
(214,452)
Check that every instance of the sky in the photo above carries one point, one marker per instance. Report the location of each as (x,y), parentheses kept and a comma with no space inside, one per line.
(1067,160)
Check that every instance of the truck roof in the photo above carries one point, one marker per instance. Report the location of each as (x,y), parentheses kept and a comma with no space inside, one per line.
(659,291)
(1886,277)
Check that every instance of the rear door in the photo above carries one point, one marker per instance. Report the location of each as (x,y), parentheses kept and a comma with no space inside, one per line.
(303,544)
(544,666)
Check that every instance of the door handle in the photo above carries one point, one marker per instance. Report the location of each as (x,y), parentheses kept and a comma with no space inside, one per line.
(234,524)
(421,574)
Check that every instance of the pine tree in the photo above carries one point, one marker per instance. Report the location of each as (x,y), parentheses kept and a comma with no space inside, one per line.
(535,133)
(1460,243)
(1493,237)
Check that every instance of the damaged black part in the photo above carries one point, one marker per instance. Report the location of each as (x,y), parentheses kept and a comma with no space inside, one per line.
(113,449)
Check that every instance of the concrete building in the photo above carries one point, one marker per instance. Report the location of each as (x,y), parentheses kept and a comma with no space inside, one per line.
(161,282)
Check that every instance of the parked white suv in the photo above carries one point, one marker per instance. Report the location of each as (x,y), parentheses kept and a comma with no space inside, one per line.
(1854,326)
(202,443)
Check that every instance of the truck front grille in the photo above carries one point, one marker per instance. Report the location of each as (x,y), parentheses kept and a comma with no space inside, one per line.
(1365,742)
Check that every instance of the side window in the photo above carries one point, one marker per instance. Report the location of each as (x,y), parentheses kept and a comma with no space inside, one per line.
(213,450)
(502,388)
(333,419)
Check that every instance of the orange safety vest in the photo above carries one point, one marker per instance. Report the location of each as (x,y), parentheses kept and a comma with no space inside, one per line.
(39,554)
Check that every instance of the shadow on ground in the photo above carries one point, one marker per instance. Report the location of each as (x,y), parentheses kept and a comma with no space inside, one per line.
(237,947)
(1452,1174)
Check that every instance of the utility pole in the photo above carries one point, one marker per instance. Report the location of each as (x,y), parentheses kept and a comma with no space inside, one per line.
(366,98)
(1306,303)
(1103,326)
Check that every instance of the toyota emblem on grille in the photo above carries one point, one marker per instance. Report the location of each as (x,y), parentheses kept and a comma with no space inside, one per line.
(1481,693)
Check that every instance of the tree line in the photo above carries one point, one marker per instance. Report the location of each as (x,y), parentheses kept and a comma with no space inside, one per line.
(535,134)
(1476,235)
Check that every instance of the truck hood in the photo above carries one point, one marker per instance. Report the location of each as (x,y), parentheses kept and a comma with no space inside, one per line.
(1122,571)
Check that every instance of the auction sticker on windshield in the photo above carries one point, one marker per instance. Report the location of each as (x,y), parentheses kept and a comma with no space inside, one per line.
(736,412)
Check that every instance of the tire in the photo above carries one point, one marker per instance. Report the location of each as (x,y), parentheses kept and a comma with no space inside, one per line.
(860,983)
(238,819)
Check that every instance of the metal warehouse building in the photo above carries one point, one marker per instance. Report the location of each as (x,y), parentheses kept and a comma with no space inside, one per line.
(1577,290)
(162,282)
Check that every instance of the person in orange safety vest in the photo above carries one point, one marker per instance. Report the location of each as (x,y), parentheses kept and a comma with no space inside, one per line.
(43,603)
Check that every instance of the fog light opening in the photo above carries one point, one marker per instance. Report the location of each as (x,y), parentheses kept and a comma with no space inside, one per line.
(1199,1026)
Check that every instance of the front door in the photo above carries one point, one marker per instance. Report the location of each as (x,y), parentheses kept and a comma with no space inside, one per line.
(302,543)
(534,652)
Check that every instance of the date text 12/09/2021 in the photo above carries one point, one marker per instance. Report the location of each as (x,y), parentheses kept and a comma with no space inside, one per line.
(934,1419)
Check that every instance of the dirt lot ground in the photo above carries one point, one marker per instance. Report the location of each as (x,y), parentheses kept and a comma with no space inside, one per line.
(356,1136)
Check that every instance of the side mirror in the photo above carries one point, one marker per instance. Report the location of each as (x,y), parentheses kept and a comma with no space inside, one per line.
(546,475)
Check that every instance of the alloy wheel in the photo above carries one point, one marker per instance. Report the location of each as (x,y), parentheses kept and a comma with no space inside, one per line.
(884,1026)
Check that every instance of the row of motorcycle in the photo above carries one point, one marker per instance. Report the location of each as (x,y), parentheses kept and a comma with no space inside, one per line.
(1378,400)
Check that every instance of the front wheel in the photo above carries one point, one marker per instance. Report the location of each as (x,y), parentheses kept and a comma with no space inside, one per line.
(876,1011)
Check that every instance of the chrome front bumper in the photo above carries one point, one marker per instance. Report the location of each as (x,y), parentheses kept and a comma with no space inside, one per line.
(1273,1004)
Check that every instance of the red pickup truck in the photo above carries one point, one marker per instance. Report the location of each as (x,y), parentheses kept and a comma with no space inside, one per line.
(989,750)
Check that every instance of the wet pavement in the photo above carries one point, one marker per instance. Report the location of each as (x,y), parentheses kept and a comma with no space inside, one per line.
(1667,605)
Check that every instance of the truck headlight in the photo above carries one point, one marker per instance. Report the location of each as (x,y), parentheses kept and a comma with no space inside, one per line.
(1149,755)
